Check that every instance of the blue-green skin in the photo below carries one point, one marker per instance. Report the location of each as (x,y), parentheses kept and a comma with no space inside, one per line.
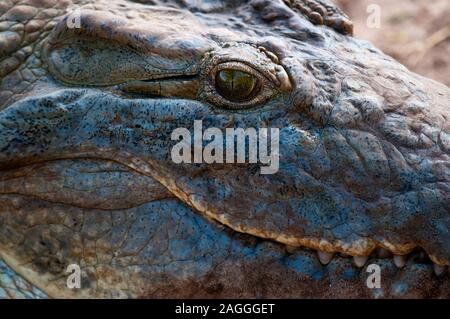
(86,174)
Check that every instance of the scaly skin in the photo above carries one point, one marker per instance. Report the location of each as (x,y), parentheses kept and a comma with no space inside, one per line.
(86,116)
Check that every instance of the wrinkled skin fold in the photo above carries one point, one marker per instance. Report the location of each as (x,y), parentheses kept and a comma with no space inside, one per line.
(86,176)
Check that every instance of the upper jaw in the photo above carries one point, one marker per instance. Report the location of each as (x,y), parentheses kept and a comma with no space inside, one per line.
(70,124)
(291,207)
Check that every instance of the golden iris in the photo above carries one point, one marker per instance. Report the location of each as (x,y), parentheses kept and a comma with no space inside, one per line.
(235,85)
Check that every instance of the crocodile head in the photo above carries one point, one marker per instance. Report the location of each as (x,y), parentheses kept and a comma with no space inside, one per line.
(91,93)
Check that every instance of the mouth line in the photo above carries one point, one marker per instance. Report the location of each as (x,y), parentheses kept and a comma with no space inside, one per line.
(326,262)
(416,260)
(326,251)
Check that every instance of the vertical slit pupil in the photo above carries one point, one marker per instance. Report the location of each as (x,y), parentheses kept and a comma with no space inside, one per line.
(235,85)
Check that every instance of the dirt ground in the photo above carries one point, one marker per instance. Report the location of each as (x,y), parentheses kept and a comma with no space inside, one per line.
(415,32)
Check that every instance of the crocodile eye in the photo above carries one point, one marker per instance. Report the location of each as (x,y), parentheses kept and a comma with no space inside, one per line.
(235,85)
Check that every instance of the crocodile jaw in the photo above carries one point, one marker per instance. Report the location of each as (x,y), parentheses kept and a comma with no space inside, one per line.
(55,230)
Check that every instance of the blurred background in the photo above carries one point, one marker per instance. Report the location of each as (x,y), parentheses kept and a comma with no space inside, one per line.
(415,32)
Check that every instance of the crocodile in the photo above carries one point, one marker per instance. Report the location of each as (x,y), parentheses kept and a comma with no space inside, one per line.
(91,92)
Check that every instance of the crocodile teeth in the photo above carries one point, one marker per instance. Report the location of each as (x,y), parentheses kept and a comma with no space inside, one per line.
(324,257)
(360,261)
(399,261)
(439,270)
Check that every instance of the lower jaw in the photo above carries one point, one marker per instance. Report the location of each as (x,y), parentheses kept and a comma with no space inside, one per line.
(202,259)
(300,276)
(293,276)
